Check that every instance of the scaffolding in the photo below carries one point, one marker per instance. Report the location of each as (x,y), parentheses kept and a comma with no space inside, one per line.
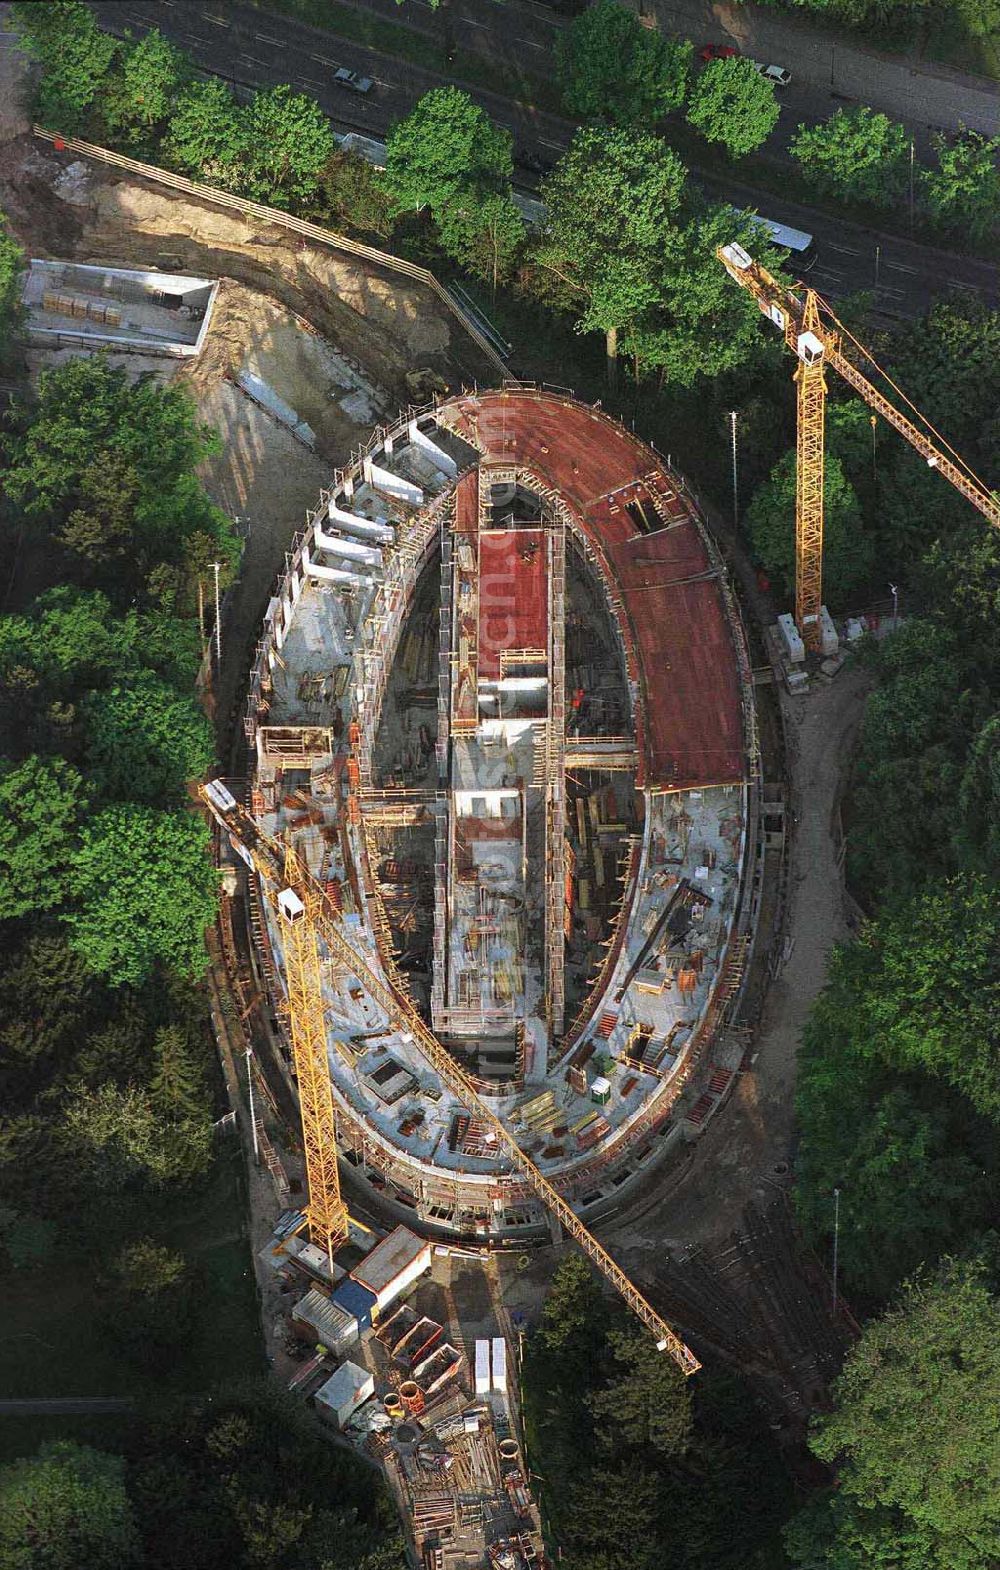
(555,788)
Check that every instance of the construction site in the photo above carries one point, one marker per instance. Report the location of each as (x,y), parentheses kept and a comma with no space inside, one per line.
(501,716)
(504,835)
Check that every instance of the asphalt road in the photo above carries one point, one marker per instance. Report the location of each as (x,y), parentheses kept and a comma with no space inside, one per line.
(251,48)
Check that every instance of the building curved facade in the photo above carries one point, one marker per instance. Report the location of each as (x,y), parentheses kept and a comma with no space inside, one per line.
(502,707)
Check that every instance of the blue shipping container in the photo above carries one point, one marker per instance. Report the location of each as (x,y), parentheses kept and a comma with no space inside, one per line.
(355,1299)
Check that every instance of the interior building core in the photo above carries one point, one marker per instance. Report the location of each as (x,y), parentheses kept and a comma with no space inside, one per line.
(502,708)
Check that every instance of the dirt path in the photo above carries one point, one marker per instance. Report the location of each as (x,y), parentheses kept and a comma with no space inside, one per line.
(745,1152)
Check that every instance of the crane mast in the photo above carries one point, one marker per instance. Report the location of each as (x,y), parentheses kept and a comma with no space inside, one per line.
(816,346)
(810,377)
(326,1213)
(314,913)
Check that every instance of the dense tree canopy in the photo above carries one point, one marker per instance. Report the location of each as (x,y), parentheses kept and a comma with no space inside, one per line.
(64,1508)
(41,804)
(288,141)
(613,200)
(914,1430)
(147,79)
(75,56)
(145,741)
(909,765)
(612,68)
(12,264)
(482,230)
(144,891)
(446,144)
(733,104)
(857,154)
(616,1434)
(207,136)
(105,466)
(770,520)
(963,192)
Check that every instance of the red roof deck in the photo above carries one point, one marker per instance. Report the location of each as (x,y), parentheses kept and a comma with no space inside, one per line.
(670,607)
(513,595)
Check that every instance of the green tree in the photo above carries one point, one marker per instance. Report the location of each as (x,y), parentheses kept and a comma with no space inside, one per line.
(288,141)
(611,1519)
(353,195)
(927,962)
(154,1304)
(64,1508)
(177,1089)
(856,154)
(916,1416)
(612,68)
(613,200)
(699,325)
(911,1158)
(47,997)
(835,1532)
(848,556)
(145,891)
(963,192)
(101,527)
(572,1315)
(12,264)
(733,104)
(445,144)
(145,1268)
(981,17)
(908,772)
(646,1403)
(118,1140)
(483,230)
(88,407)
(145,741)
(41,805)
(149,75)
(207,136)
(75,56)
(977,837)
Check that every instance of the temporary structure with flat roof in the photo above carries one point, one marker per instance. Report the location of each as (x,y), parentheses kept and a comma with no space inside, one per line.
(393,1265)
(345,1391)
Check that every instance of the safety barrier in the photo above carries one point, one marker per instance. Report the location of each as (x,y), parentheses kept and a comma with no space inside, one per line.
(311,231)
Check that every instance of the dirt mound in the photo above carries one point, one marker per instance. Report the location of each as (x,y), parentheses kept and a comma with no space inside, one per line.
(382,324)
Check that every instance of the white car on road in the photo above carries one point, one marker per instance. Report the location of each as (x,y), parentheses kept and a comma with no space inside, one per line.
(778,74)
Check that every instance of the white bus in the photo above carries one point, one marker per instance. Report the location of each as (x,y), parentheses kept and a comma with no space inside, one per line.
(801,246)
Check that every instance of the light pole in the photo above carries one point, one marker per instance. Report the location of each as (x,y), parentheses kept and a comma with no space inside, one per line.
(736,504)
(836,1242)
(253,1120)
(895,604)
(218,624)
(912,157)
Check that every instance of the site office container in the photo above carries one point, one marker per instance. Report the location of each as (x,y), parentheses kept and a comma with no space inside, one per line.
(319,1320)
(393,1265)
(346,1390)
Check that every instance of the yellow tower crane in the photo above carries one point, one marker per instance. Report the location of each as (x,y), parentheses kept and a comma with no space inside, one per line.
(816,346)
(307,918)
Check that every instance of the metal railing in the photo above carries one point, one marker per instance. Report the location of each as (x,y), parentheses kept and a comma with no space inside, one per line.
(311,231)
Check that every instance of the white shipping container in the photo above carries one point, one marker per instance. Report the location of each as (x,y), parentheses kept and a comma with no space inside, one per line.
(349,1388)
(393,1265)
(499,1364)
(482,1367)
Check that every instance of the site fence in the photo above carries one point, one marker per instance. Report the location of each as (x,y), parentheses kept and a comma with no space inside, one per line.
(272,215)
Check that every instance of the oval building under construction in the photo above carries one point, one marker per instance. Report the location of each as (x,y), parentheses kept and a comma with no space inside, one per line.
(502,711)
